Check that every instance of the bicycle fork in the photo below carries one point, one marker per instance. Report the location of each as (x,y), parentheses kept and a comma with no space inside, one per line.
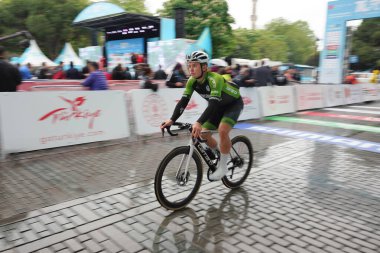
(183,177)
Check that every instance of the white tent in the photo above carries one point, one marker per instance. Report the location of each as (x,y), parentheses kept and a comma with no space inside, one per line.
(68,55)
(34,56)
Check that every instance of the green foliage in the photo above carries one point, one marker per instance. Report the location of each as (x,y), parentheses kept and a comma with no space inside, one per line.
(258,44)
(132,6)
(279,41)
(50,22)
(366,44)
(203,13)
(297,35)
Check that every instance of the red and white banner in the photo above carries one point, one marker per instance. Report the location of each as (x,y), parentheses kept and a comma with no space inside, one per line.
(250,98)
(353,94)
(276,100)
(334,95)
(32,121)
(152,108)
(309,96)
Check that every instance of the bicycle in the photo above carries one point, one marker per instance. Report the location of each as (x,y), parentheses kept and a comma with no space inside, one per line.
(185,169)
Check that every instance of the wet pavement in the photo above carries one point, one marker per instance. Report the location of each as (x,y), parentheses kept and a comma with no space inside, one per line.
(301,196)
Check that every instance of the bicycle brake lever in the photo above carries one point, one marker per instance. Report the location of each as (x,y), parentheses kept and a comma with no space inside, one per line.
(170,132)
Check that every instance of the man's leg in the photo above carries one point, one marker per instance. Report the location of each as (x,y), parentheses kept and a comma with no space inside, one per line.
(225,146)
(210,141)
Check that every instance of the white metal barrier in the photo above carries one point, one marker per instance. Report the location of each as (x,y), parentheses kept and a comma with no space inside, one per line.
(39,120)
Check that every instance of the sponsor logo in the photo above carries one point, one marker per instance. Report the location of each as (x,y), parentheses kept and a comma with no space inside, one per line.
(154,109)
(73,112)
(232,90)
(247,100)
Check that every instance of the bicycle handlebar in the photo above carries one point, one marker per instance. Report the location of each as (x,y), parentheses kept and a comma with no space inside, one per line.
(181,126)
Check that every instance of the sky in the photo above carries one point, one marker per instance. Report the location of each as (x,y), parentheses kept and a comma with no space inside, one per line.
(312,11)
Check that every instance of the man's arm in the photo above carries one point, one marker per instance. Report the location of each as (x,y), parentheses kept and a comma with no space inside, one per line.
(181,105)
(88,81)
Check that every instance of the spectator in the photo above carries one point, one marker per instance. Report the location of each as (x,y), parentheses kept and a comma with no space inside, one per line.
(96,80)
(118,73)
(72,73)
(133,58)
(10,76)
(263,75)
(178,77)
(278,77)
(43,72)
(128,75)
(145,74)
(85,71)
(160,74)
(244,79)
(59,73)
(25,71)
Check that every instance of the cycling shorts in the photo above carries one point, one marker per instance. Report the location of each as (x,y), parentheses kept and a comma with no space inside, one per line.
(228,114)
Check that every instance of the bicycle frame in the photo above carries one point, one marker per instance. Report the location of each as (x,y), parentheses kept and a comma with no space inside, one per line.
(195,143)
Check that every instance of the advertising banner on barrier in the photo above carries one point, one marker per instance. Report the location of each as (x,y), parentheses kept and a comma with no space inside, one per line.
(353,94)
(152,108)
(309,96)
(369,91)
(32,121)
(251,103)
(334,95)
(276,100)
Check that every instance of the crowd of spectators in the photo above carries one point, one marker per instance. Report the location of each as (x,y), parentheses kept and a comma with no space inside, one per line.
(96,76)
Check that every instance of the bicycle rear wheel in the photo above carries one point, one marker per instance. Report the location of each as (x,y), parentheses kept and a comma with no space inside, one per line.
(239,166)
(173,187)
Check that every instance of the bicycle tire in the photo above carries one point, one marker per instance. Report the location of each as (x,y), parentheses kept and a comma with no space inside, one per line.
(226,179)
(162,199)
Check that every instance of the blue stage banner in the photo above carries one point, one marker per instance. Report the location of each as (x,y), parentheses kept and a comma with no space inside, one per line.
(120,51)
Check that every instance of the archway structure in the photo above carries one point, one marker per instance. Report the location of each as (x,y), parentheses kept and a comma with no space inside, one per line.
(333,54)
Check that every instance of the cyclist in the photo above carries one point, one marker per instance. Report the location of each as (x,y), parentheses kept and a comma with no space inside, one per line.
(222,112)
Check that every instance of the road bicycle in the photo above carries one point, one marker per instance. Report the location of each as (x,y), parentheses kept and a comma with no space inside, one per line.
(187,231)
(179,175)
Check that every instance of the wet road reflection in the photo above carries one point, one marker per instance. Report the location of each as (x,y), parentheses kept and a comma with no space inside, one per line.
(184,231)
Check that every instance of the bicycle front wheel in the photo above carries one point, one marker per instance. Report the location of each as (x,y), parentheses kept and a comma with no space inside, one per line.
(239,166)
(173,186)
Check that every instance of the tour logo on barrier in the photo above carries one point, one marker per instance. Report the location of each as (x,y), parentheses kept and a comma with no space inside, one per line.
(191,105)
(154,109)
(73,112)
(247,100)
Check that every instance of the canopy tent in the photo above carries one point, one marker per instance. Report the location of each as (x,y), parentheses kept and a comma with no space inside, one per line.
(34,56)
(68,55)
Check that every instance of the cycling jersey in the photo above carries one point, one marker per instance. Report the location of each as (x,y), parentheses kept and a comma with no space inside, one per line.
(215,89)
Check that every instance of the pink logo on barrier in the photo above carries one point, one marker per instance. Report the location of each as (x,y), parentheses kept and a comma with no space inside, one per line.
(247,100)
(191,105)
(72,112)
(154,109)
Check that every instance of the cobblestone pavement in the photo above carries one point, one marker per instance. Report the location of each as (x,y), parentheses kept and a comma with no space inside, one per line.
(301,196)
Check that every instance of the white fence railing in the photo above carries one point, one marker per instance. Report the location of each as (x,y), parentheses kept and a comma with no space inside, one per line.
(39,120)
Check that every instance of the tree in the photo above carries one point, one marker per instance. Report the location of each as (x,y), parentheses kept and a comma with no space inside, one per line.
(132,6)
(366,44)
(299,38)
(50,22)
(203,13)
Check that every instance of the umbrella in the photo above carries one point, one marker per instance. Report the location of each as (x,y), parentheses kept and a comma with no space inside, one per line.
(219,62)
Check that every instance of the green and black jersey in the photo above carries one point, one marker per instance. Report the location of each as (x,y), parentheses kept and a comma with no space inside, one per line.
(215,89)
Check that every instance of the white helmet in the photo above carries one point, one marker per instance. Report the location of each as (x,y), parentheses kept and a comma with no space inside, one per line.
(197,56)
